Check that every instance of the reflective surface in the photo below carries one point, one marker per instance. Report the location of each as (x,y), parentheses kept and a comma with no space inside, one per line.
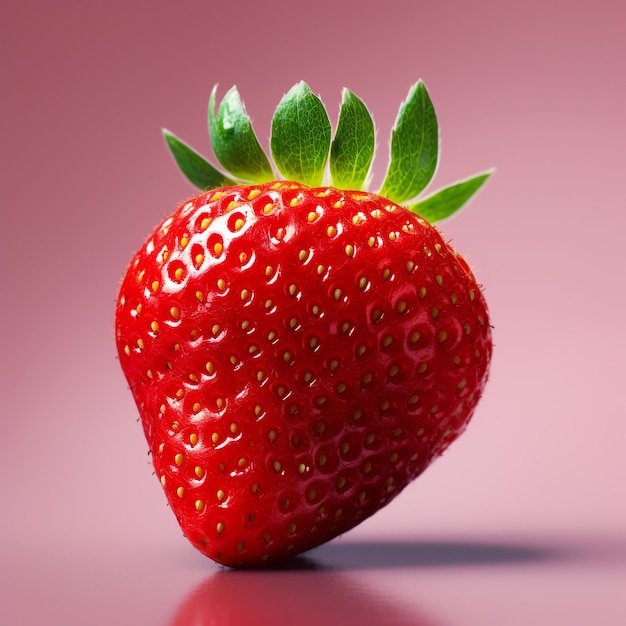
(523,521)
(419,583)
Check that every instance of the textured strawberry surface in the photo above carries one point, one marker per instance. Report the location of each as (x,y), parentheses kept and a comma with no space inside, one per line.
(297,356)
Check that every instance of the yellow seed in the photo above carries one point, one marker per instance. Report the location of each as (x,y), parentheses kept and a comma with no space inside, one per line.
(331,231)
(303,255)
(193,378)
(162,409)
(241,462)
(174,312)
(272,435)
(254,193)
(199,505)
(205,223)
(199,259)
(337,294)
(140,344)
(184,240)
(210,367)
(217,248)
(199,296)
(293,289)
(180,492)
(401,307)
(245,294)
(239,223)
(233,428)
(422,368)
(178,459)
(221,284)
(215,437)
(193,439)
(220,528)
(277,466)
(312,216)
(127,350)
(149,374)
(155,286)
(422,292)
(338,204)
(387,341)
(301,468)
(163,480)
(268,208)
(410,266)
(349,250)
(196,407)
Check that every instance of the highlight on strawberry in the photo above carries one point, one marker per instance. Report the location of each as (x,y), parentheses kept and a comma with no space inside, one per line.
(299,348)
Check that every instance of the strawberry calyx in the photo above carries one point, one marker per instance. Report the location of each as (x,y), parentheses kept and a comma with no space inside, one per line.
(304,150)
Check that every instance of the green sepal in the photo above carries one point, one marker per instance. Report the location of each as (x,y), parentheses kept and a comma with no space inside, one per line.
(194,166)
(233,140)
(414,147)
(352,149)
(300,139)
(446,201)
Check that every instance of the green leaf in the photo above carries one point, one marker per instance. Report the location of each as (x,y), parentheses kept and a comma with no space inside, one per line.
(414,147)
(233,140)
(448,200)
(199,171)
(352,149)
(300,139)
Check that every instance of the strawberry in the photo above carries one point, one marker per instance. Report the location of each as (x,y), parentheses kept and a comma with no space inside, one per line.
(299,353)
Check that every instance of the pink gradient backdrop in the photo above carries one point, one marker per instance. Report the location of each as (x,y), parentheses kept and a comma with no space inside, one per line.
(534,88)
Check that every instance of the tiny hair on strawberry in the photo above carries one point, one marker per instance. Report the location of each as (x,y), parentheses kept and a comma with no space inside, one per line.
(299,348)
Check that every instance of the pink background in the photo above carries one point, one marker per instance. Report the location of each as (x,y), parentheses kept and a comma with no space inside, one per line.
(524,519)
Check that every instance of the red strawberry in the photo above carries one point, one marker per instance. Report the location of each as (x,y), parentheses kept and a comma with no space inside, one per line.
(298,353)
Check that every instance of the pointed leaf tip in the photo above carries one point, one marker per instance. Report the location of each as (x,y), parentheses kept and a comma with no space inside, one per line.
(194,166)
(352,149)
(300,137)
(233,139)
(414,150)
(448,200)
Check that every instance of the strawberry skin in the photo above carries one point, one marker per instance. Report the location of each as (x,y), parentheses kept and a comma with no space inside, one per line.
(298,356)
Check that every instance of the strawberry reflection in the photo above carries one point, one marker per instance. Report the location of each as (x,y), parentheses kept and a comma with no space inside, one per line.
(301,596)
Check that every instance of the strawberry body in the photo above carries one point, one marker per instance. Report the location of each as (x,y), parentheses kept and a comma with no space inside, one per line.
(298,356)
